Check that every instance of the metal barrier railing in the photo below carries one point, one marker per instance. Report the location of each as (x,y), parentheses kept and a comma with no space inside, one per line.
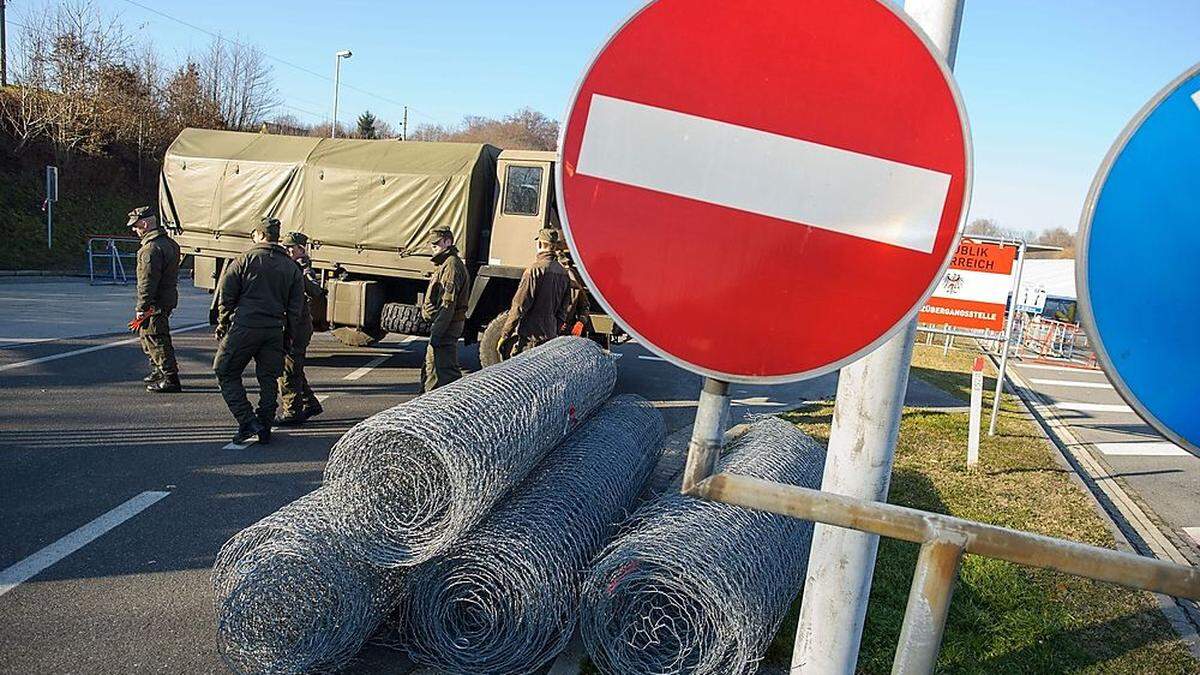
(110,249)
(944,540)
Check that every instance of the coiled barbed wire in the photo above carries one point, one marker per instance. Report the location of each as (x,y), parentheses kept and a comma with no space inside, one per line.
(413,479)
(505,599)
(290,598)
(693,586)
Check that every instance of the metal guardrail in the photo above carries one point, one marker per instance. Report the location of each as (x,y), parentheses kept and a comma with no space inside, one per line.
(944,540)
(110,249)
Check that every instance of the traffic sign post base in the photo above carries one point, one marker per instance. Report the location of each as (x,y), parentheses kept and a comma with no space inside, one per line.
(708,432)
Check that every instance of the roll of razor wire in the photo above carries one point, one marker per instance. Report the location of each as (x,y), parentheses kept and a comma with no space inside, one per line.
(413,479)
(290,597)
(693,586)
(505,599)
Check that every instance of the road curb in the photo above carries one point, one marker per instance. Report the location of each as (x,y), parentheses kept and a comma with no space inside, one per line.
(1129,522)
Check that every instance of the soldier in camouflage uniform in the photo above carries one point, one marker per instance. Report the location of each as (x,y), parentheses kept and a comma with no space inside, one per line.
(260,302)
(299,401)
(543,300)
(157,295)
(446,307)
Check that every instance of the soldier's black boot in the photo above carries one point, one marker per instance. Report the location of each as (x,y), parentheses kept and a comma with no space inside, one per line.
(154,376)
(313,410)
(291,419)
(264,434)
(250,430)
(169,384)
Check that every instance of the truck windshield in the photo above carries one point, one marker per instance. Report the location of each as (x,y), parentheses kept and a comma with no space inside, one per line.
(522,186)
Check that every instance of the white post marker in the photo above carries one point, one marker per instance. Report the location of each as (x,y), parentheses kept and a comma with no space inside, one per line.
(862,446)
(976,413)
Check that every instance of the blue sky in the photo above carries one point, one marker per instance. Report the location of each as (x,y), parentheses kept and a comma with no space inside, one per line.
(1048,83)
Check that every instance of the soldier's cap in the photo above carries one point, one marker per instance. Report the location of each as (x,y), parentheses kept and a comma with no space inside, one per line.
(268,227)
(551,235)
(140,213)
(294,239)
(439,234)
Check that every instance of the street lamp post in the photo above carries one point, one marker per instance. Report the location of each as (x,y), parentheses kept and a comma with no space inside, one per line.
(337,76)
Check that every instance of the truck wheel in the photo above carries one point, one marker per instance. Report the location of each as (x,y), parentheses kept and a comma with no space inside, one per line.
(358,337)
(398,317)
(489,342)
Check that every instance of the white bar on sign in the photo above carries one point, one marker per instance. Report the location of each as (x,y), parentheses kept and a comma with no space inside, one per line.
(974,286)
(1196,99)
(760,172)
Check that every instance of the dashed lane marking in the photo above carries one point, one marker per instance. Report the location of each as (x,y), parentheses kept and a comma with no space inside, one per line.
(1094,407)
(1072,383)
(371,365)
(88,350)
(650,358)
(1193,533)
(1142,449)
(26,569)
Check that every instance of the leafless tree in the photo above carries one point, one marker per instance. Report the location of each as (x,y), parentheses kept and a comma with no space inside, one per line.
(240,82)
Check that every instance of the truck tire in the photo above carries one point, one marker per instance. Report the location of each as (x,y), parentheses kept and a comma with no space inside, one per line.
(358,337)
(489,342)
(398,317)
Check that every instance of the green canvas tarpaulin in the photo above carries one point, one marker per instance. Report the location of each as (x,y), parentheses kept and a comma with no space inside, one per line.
(380,195)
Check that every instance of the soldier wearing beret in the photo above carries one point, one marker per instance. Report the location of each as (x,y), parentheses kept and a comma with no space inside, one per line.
(260,302)
(157,296)
(299,401)
(542,303)
(445,306)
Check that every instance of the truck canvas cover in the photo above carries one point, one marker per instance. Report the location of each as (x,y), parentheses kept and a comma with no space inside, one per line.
(384,195)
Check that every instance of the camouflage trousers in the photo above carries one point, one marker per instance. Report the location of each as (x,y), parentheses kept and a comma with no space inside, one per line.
(155,337)
(441,365)
(240,344)
(293,384)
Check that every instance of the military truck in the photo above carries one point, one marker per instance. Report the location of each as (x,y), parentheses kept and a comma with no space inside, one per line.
(368,208)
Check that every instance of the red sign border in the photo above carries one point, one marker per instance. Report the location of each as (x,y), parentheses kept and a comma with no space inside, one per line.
(909,317)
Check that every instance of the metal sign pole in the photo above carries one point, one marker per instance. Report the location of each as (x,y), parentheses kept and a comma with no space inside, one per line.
(708,432)
(862,444)
(1012,314)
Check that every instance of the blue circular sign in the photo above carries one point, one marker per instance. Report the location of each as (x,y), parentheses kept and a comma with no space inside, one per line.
(1138,262)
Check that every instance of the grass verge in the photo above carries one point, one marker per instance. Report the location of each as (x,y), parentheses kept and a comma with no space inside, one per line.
(1004,618)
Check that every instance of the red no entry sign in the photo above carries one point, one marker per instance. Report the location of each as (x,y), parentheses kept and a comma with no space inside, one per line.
(764,191)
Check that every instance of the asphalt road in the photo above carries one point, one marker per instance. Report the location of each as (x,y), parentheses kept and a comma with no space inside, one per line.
(115,501)
(1163,476)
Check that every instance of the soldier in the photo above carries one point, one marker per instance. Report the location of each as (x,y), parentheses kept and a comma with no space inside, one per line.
(157,295)
(543,299)
(446,307)
(299,402)
(260,302)
(578,305)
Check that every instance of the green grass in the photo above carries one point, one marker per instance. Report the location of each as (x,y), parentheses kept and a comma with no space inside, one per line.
(1004,618)
(90,203)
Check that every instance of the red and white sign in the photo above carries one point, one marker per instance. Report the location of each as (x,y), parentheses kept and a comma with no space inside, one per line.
(974,291)
(764,192)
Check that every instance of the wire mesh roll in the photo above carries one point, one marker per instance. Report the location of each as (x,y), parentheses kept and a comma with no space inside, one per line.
(290,598)
(693,586)
(414,478)
(505,599)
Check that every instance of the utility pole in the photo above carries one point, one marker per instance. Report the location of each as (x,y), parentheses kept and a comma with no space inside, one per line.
(404,126)
(3,48)
(862,447)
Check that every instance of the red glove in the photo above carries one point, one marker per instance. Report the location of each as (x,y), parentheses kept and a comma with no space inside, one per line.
(141,319)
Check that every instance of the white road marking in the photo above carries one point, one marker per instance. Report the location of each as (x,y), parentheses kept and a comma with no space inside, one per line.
(29,340)
(29,567)
(650,358)
(240,446)
(1072,383)
(720,163)
(1061,369)
(88,350)
(1143,449)
(371,365)
(1093,407)
(1193,532)
(321,398)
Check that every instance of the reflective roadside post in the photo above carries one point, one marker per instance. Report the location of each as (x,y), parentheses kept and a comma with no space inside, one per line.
(862,444)
(976,413)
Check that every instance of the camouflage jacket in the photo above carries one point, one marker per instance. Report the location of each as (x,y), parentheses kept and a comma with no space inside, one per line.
(157,272)
(446,298)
